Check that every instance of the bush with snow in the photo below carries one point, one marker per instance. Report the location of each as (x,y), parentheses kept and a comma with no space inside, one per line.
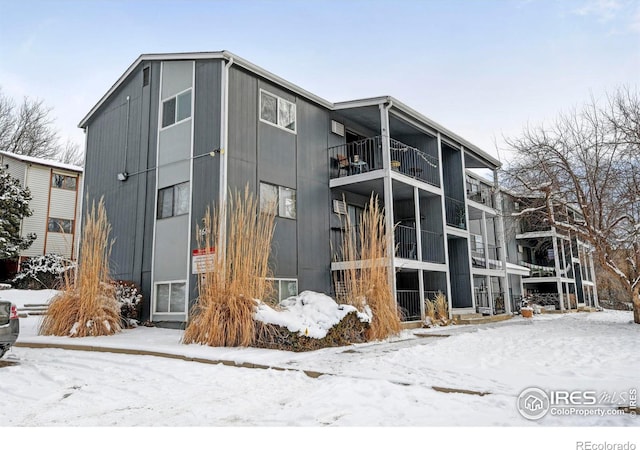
(309,321)
(43,272)
(130,299)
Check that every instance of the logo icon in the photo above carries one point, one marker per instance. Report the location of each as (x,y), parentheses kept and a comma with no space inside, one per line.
(533,403)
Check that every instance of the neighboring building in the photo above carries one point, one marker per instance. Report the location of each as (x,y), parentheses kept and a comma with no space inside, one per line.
(177,131)
(561,266)
(56,203)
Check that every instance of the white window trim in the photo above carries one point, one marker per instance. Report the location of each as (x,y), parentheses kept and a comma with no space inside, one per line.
(278,186)
(155,294)
(175,113)
(284,279)
(279,99)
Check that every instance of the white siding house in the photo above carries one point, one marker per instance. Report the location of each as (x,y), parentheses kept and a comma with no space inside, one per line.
(56,195)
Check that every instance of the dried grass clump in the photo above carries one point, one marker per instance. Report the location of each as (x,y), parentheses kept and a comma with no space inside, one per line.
(366,280)
(87,306)
(437,311)
(223,313)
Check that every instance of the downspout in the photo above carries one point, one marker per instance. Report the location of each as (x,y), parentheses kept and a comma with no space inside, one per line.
(126,136)
(224,142)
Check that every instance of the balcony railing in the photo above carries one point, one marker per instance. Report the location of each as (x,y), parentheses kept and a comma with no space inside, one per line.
(479,193)
(406,243)
(414,163)
(409,304)
(366,155)
(538,270)
(455,212)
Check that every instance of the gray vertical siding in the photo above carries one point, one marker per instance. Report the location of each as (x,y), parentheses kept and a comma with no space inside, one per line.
(314,199)
(112,149)
(460,273)
(206,138)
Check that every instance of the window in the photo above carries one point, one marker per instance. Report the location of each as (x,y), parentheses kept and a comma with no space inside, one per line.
(170,297)
(173,201)
(283,198)
(277,111)
(146,76)
(63,182)
(284,288)
(60,225)
(176,109)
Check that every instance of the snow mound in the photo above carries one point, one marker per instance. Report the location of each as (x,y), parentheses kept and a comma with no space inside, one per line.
(309,313)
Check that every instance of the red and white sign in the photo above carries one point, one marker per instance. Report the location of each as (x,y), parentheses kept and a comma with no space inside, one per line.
(202,260)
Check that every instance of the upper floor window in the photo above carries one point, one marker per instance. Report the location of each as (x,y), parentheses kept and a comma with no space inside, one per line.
(173,200)
(63,182)
(176,109)
(282,197)
(277,111)
(60,225)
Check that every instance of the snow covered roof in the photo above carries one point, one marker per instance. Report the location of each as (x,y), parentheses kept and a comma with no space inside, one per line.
(42,161)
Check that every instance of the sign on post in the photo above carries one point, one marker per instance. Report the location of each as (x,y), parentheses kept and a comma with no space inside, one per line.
(202,260)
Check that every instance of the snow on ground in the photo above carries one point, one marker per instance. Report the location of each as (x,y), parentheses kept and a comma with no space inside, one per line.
(386,383)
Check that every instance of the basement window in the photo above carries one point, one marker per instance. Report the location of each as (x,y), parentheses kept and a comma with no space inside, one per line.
(277,111)
(170,297)
(283,288)
(176,109)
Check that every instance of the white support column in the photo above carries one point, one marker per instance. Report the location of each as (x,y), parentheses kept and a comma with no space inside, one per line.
(501,243)
(554,240)
(466,216)
(388,191)
(416,204)
(594,289)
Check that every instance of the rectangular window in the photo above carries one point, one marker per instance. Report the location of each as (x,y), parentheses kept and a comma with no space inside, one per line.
(284,288)
(63,182)
(60,225)
(277,111)
(176,109)
(173,201)
(283,199)
(171,297)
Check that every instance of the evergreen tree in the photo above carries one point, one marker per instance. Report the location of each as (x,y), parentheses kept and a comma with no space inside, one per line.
(14,206)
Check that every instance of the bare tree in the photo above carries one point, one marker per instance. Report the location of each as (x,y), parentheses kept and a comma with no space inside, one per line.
(71,154)
(589,160)
(28,129)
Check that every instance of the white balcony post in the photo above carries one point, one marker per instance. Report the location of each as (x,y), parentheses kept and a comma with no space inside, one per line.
(444,227)
(385,136)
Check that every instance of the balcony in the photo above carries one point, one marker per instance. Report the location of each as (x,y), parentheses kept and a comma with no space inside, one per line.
(481,194)
(406,244)
(366,155)
(455,212)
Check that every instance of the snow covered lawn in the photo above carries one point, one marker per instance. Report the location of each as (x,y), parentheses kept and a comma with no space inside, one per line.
(375,384)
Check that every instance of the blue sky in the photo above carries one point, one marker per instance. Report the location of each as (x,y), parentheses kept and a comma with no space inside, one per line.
(481,68)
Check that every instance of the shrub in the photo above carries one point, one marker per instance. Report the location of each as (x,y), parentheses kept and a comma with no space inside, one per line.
(223,313)
(87,306)
(368,287)
(44,272)
(349,330)
(130,300)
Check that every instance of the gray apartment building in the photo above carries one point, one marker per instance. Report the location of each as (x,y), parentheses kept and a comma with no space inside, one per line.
(176,132)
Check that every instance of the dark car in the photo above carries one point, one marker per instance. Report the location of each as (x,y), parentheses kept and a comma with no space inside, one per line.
(9,326)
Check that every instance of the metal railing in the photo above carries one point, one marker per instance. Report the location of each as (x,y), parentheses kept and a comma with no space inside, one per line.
(479,192)
(498,303)
(409,304)
(414,163)
(406,243)
(494,257)
(455,212)
(337,237)
(365,155)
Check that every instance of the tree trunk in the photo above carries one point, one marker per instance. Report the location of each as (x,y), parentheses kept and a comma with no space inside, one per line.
(636,305)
